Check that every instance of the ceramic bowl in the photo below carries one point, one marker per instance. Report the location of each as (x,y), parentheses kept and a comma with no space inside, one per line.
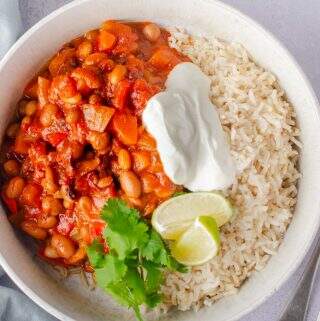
(70,300)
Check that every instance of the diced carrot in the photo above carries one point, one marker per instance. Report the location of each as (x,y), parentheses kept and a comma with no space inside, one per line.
(43,90)
(121,94)
(126,37)
(126,128)
(97,117)
(106,40)
(62,62)
(164,58)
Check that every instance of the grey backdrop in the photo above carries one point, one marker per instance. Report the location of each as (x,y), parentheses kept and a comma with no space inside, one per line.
(297,24)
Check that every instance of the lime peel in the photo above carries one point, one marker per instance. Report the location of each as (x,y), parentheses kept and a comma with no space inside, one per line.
(174,216)
(199,243)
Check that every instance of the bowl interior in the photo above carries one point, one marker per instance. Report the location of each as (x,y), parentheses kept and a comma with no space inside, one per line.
(70,300)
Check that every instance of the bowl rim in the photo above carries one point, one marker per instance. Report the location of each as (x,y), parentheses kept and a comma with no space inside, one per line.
(268,35)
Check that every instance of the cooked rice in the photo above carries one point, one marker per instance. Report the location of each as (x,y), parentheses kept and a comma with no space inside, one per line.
(261,127)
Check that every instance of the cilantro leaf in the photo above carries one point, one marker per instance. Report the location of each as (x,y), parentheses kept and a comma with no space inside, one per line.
(117,242)
(95,254)
(137,311)
(120,293)
(132,272)
(124,232)
(154,248)
(113,271)
(174,265)
(154,277)
(136,285)
(129,292)
(179,193)
(156,251)
(153,299)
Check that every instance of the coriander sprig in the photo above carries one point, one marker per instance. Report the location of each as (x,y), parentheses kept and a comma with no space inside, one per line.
(132,270)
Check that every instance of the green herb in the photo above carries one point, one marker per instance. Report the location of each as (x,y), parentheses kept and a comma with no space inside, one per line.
(179,193)
(132,270)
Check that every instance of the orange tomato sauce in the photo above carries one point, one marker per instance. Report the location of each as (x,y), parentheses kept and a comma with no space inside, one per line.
(78,138)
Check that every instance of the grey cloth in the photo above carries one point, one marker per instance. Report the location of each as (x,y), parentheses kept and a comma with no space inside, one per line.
(15,306)
(10,24)
(295,22)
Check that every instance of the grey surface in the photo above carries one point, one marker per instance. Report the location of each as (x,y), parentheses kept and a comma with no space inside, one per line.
(297,24)
(298,307)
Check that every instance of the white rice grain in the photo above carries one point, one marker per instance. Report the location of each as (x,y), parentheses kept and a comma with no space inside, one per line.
(260,125)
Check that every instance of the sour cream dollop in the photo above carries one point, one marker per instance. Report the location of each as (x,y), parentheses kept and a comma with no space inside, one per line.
(186,126)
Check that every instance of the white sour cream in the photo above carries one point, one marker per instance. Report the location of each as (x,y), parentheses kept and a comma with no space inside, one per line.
(186,126)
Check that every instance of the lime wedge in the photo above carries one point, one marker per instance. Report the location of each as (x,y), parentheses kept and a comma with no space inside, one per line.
(199,243)
(176,215)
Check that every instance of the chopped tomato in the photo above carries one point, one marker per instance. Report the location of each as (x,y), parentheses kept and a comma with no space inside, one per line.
(33,130)
(82,130)
(96,229)
(32,213)
(66,224)
(37,155)
(135,66)
(126,128)
(141,93)
(56,138)
(36,152)
(37,149)
(86,183)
